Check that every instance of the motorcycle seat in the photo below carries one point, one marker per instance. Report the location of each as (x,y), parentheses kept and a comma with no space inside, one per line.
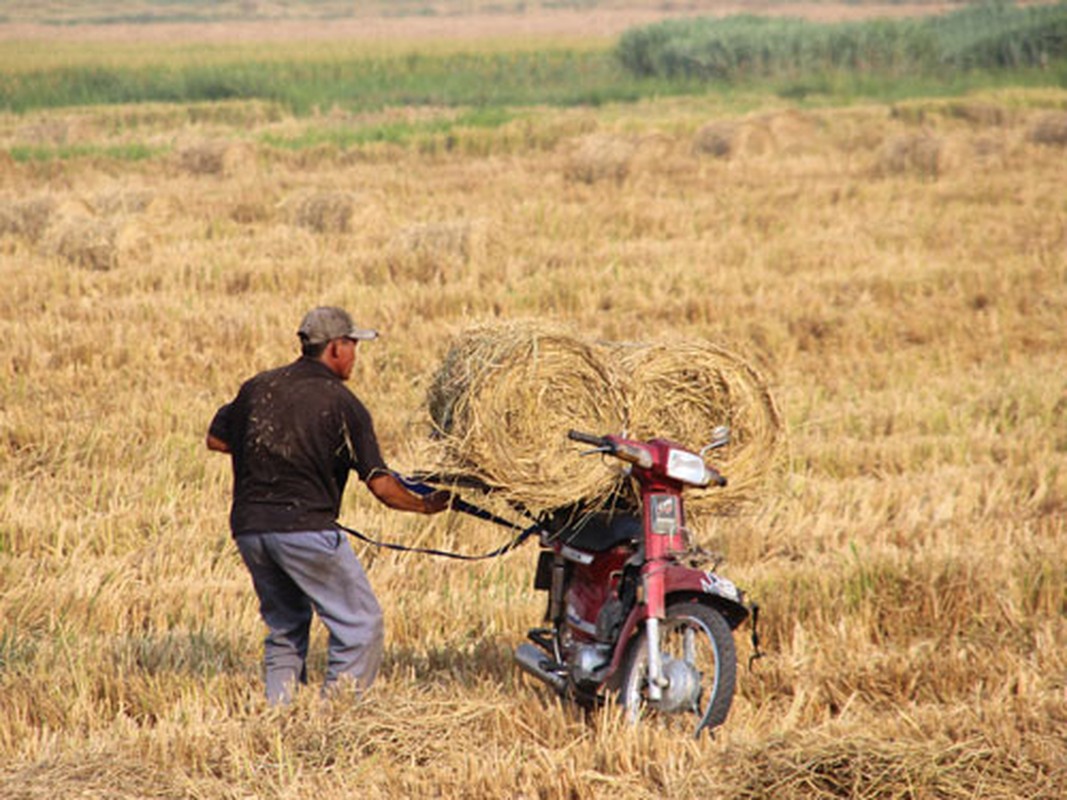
(598,532)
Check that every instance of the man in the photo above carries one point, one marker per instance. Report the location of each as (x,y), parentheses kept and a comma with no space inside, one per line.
(293,434)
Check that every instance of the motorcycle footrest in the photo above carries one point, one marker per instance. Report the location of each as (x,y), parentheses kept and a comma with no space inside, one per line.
(543,638)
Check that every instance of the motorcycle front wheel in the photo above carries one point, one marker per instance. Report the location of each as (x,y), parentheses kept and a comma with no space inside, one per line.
(701,666)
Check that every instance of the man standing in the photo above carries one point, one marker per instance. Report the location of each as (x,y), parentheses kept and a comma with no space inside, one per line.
(294,433)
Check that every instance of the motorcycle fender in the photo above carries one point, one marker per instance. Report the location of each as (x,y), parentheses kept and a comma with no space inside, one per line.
(688,583)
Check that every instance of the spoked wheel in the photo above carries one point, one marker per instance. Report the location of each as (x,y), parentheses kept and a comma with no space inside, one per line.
(699,663)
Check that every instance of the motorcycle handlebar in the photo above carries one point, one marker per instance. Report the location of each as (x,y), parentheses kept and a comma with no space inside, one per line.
(589,438)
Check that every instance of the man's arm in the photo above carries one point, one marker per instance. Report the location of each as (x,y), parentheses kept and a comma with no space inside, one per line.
(217,432)
(215,443)
(392,493)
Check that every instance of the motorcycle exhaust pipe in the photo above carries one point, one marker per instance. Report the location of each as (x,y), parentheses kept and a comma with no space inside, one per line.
(531,660)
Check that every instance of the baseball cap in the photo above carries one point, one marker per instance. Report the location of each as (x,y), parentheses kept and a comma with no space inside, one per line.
(324,323)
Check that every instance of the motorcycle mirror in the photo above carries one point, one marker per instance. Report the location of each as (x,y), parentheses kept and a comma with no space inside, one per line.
(720,437)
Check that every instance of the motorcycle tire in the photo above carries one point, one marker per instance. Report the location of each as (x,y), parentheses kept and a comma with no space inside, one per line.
(698,636)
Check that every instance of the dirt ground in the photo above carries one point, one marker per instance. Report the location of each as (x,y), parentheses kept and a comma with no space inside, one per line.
(593,23)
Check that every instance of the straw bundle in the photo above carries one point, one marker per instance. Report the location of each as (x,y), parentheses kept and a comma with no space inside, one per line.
(917,154)
(715,139)
(683,390)
(97,244)
(451,241)
(502,403)
(218,157)
(27,218)
(323,211)
(122,201)
(1050,129)
(599,157)
(505,396)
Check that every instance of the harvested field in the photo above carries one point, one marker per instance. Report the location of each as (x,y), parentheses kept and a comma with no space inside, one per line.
(906,324)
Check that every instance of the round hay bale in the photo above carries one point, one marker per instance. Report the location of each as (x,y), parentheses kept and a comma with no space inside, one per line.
(218,157)
(439,240)
(429,249)
(502,402)
(122,201)
(323,211)
(1050,129)
(97,244)
(599,157)
(27,218)
(682,391)
(716,139)
(915,154)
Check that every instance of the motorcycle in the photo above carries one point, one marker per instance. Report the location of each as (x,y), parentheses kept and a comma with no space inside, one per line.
(627,612)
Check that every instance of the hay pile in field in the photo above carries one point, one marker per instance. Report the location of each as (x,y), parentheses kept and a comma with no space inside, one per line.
(683,390)
(118,200)
(217,157)
(599,157)
(432,251)
(1050,129)
(505,396)
(97,244)
(919,154)
(752,137)
(26,218)
(324,211)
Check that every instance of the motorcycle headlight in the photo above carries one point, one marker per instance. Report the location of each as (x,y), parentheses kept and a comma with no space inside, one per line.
(686,467)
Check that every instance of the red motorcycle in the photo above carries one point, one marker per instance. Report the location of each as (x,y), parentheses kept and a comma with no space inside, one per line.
(627,612)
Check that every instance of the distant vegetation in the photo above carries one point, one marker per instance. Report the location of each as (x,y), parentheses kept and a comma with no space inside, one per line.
(983,37)
(557,77)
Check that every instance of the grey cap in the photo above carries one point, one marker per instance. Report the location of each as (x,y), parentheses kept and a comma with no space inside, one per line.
(324,323)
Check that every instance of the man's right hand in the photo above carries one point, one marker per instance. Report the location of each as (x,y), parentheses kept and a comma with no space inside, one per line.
(438,501)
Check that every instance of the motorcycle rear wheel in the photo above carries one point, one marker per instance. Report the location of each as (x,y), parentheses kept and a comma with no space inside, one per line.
(697,635)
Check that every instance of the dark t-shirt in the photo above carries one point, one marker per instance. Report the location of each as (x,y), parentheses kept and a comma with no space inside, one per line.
(294,434)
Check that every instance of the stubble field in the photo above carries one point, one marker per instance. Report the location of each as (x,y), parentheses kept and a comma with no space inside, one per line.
(899,274)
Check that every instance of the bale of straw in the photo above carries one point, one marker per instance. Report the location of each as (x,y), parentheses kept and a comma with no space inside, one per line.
(27,218)
(437,251)
(97,244)
(1050,129)
(218,157)
(122,201)
(502,402)
(323,211)
(715,139)
(917,154)
(599,157)
(683,390)
(452,239)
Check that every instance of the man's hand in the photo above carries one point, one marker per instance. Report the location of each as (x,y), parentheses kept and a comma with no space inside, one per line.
(437,501)
(389,490)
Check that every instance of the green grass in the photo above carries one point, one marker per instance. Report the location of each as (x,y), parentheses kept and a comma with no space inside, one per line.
(561,77)
(994,35)
(345,137)
(45,153)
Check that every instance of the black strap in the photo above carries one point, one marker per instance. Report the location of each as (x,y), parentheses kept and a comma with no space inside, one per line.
(506,548)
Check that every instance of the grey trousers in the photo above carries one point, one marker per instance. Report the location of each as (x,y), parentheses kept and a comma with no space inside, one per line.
(294,573)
